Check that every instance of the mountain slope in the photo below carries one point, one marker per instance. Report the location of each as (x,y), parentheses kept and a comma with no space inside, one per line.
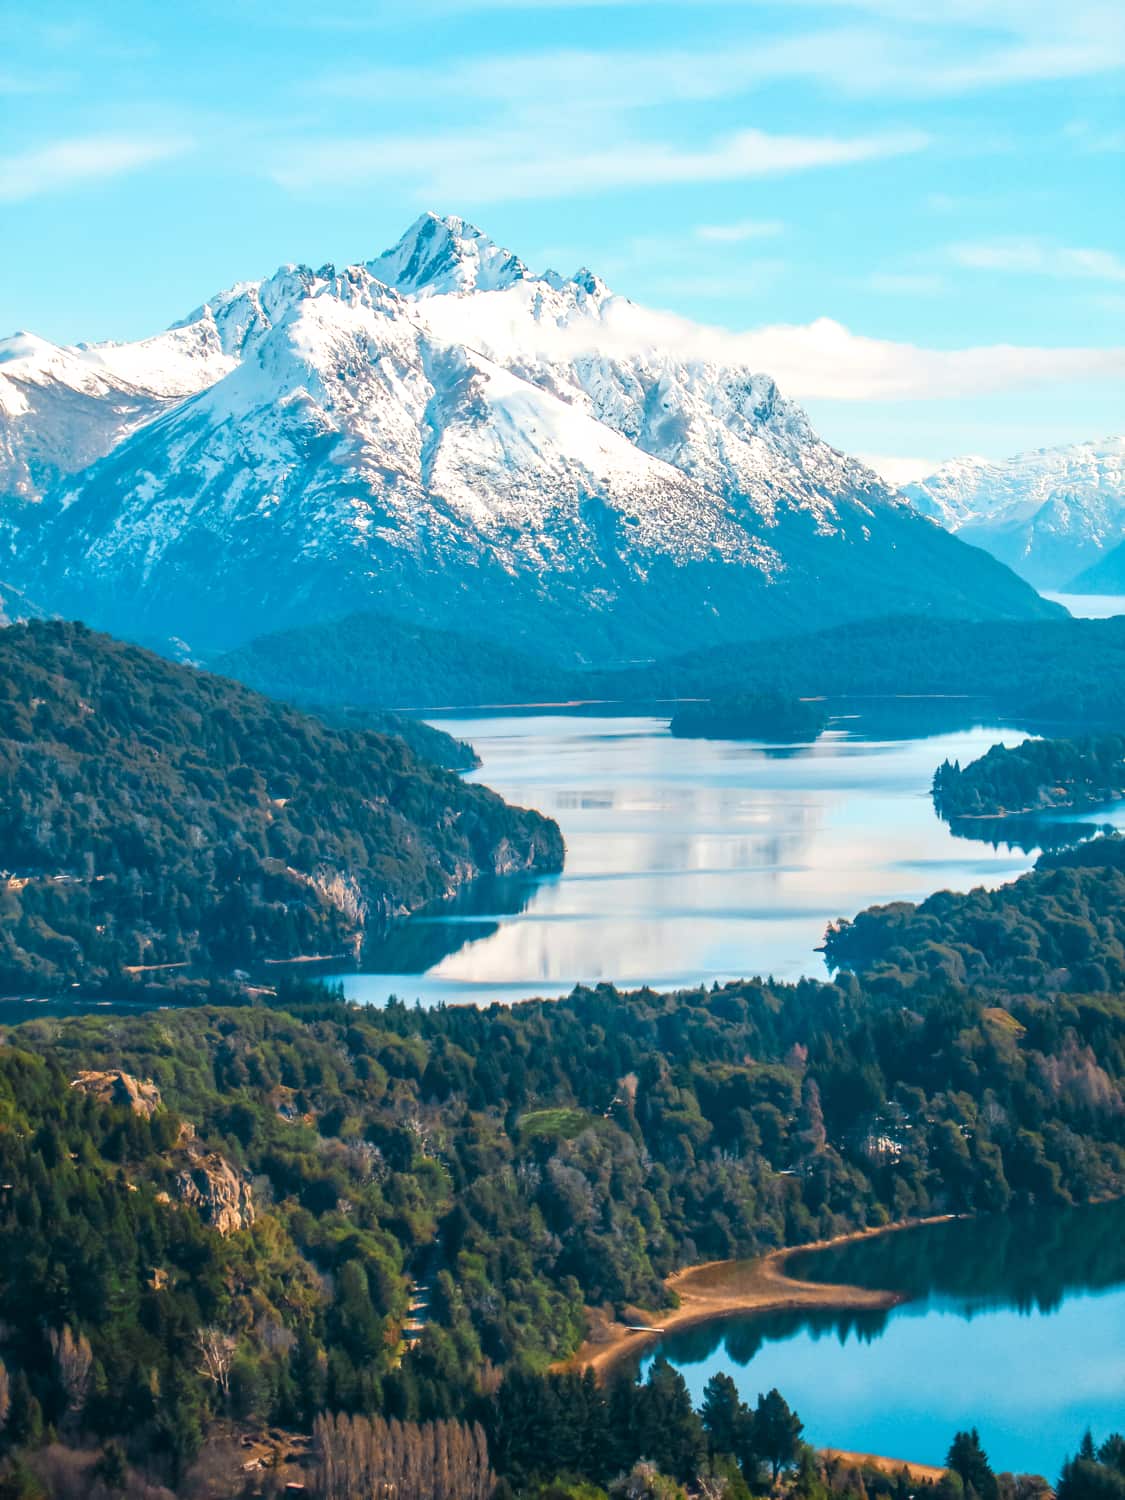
(1048,514)
(368,659)
(1106,576)
(444,436)
(1061,671)
(151,814)
(62,409)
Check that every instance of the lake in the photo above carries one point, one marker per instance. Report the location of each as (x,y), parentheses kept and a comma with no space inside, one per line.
(692,861)
(1090,606)
(1016,1326)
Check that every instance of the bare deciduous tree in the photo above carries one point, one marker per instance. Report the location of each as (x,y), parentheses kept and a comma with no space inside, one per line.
(216,1355)
(400,1460)
(74,1364)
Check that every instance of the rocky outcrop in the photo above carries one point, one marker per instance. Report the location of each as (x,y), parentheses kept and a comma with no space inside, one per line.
(115,1087)
(204,1180)
(220,1194)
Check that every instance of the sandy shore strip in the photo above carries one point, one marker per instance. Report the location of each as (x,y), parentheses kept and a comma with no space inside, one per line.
(727,1288)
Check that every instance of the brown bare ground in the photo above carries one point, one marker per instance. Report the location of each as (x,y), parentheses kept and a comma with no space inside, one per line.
(727,1288)
(919,1473)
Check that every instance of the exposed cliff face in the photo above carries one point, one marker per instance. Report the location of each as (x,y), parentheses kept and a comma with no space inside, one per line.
(115,1087)
(209,1184)
(204,1180)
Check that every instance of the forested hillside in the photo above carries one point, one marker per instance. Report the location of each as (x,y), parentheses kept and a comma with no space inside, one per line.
(527,1163)
(370,658)
(426,741)
(1049,671)
(1060,927)
(151,815)
(1071,671)
(213,1219)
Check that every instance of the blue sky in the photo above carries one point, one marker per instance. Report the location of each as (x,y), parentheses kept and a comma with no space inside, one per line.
(916,208)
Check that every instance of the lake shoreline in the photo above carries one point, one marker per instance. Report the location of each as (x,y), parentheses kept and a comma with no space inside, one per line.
(721,1289)
(691,861)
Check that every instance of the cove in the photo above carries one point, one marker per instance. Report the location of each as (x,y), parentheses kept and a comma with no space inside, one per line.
(1014,1324)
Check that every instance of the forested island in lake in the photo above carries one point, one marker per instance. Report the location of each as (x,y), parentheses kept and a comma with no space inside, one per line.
(1035,776)
(764,716)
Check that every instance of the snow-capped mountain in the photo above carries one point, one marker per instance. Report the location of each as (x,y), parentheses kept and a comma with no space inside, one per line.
(444,435)
(62,409)
(1048,514)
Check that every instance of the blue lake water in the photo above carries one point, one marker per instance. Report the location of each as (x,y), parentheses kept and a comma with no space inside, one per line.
(691,861)
(1016,1327)
(1090,606)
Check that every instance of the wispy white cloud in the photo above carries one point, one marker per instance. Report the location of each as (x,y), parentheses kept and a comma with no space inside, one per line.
(1018,15)
(1037,258)
(1095,140)
(859,58)
(494,167)
(825,360)
(899,471)
(822,360)
(70,164)
(739,232)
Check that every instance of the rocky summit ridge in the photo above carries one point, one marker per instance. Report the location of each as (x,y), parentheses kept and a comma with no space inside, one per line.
(444,435)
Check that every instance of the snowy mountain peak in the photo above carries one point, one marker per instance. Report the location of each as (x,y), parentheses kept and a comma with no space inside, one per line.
(439,254)
(445,434)
(23,345)
(589,282)
(1047,514)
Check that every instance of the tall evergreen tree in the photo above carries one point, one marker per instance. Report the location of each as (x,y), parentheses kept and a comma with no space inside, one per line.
(969,1462)
(726,1417)
(777,1432)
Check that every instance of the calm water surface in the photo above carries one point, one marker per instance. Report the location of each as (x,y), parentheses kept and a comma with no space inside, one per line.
(1090,606)
(1016,1326)
(692,860)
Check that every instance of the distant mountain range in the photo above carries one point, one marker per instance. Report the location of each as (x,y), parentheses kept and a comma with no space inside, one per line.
(1051,515)
(1106,576)
(442,436)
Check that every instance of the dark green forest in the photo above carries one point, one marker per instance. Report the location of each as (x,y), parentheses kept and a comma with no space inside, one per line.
(528,1163)
(152,815)
(288,1223)
(426,741)
(1059,927)
(1067,671)
(1033,777)
(1052,670)
(768,716)
(370,659)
